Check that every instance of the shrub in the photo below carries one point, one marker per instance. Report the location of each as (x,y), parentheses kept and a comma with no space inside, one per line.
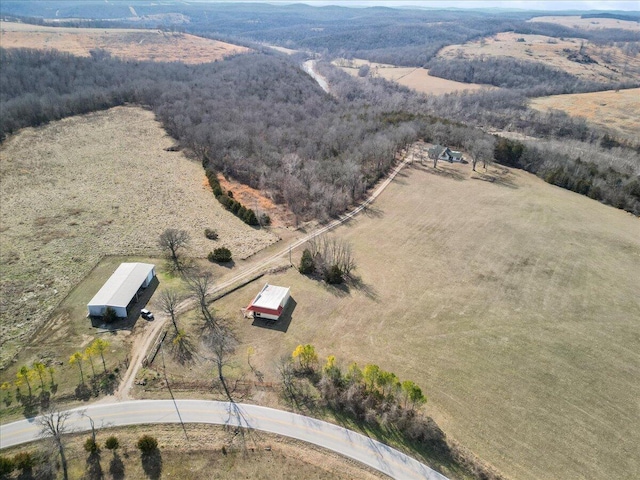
(24,461)
(112,443)
(265,220)
(110,315)
(225,201)
(220,255)
(250,218)
(307,264)
(7,465)
(211,234)
(90,445)
(147,444)
(333,276)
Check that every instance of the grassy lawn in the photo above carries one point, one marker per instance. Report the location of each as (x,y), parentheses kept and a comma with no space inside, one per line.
(513,303)
(69,330)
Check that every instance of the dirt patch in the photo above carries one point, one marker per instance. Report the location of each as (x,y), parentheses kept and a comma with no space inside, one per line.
(575,21)
(124,43)
(615,110)
(610,63)
(417,79)
(258,202)
(94,185)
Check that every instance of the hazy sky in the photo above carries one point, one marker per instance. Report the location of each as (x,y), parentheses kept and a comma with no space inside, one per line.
(631,5)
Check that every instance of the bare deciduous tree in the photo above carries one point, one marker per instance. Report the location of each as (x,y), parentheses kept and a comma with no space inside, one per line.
(480,148)
(169,301)
(332,251)
(199,285)
(53,425)
(221,343)
(173,241)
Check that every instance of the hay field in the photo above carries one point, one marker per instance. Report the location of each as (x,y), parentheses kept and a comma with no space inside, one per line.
(417,79)
(513,303)
(614,111)
(612,63)
(94,185)
(124,43)
(575,21)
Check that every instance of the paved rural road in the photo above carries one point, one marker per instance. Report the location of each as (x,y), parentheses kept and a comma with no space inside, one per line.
(346,442)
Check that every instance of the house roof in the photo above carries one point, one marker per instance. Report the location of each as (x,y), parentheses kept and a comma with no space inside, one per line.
(122,285)
(269,298)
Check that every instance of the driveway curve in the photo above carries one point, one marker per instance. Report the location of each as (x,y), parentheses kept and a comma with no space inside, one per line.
(332,437)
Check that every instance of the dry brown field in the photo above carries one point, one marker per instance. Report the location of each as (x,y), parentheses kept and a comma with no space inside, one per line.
(575,21)
(84,187)
(124,43)
(513,303)
(417,79)
(615,111)
(612,63)
(200,456)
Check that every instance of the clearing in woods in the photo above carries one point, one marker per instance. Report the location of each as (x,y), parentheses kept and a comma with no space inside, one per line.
(611,63)
(575,21)
(124,43)
(417,79)
(512,303)
(84,187)
(615,110)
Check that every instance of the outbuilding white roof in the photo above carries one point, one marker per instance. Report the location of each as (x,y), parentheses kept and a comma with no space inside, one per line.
(122,285)
(270,297)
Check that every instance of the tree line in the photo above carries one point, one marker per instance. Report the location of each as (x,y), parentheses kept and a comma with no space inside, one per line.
(534,79)
(261,120)
(375,399)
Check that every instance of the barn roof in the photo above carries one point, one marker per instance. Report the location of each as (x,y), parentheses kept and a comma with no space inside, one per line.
(269,298)
(122,285)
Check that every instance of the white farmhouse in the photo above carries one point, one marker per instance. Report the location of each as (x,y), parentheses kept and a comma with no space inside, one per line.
(121,290)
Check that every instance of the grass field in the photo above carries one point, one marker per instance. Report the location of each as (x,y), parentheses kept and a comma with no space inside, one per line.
(417,79)
(85,187)
(612,63)
(124,43)
(614,111)
(575,21)
(513,303)
(200,456)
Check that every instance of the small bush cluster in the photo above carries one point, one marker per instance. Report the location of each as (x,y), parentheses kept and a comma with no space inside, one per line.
(378,398)
(211,234)
(245,214)
(110,315)
(220,255)
(147,444)
(91,446)
(331,258)
(307,265)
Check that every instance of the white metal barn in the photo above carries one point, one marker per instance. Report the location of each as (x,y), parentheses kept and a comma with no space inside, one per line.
(121,288)
(270,302)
